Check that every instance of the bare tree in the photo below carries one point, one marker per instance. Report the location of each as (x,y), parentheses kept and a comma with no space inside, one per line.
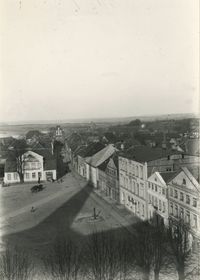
(159,252)
(181,247)
(19,149)
(126,257)
(63,261)
(15,264)
(144,250)
(102,261)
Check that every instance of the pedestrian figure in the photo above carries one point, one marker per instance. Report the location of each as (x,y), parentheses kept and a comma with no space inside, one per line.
(33,209)
(39,180)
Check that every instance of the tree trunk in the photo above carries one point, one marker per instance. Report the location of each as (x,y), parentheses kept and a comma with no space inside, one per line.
(181,274)
(21,176)
(146,275)
(156,275)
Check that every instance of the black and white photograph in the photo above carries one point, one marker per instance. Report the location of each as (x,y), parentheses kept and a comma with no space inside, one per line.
(99,140)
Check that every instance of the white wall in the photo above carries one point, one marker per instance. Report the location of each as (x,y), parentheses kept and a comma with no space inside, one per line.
(13,178)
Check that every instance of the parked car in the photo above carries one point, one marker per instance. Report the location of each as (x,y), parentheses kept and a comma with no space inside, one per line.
(37,188)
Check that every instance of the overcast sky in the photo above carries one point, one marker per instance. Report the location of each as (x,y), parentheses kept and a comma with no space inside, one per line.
(63,59)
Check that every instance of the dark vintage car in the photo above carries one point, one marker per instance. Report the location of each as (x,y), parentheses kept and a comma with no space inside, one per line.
(37,188)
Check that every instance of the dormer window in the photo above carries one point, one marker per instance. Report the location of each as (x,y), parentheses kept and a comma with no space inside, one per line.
(184,182)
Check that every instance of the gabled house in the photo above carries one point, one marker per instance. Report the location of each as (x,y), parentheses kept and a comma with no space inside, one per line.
(34,166)
(157,192)
(132,185)
(184,200)
(93,162)
(85,153)
(112,178)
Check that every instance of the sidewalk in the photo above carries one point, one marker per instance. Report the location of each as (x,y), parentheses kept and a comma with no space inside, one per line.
(119,212)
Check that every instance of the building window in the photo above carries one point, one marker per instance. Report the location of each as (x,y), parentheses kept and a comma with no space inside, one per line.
(160,207)
(137,189)
(9,176)
(141,172)
(195,221)
(163,191)
(133,169)
(40,174)
(33,175)
(156,202)
(138,207)
(163,207)
(171,192)
(15,176)
(181,196)
(33,165)
(142,190)
(149,196)
(142,209)
(27,175)
(175,194)
(156,188)
(181,213)
(152,186)
(187,217)
(187,199)
(171,208)
(184,182)
(176,211)
(137,171)
(194,202)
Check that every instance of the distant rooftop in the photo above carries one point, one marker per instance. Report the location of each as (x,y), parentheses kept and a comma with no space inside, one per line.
(90,150)
(167,176)
(145,153)
(97,159)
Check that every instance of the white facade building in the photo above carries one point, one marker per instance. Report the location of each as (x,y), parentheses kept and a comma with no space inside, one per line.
(34,166)
(184,195)
(132,184)
(93,162)
(157,197)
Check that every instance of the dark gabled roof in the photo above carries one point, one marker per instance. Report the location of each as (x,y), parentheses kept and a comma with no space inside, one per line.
(145,153)
(104,165)
(50,164)
(116,160)
(44,153)
(10,166)
(195,171)
(167,176)
(101,156)
(91,149)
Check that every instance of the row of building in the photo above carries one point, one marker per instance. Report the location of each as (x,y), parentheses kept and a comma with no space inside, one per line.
(35,160)
(145,180)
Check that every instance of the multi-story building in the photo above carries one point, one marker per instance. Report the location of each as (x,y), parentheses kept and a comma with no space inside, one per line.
(34,166)
(157,191)
(112,178)
(93,163)
(132,185)
(184,195)
(170,162)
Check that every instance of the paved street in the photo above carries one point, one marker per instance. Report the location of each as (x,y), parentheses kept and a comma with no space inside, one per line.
(66,212)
